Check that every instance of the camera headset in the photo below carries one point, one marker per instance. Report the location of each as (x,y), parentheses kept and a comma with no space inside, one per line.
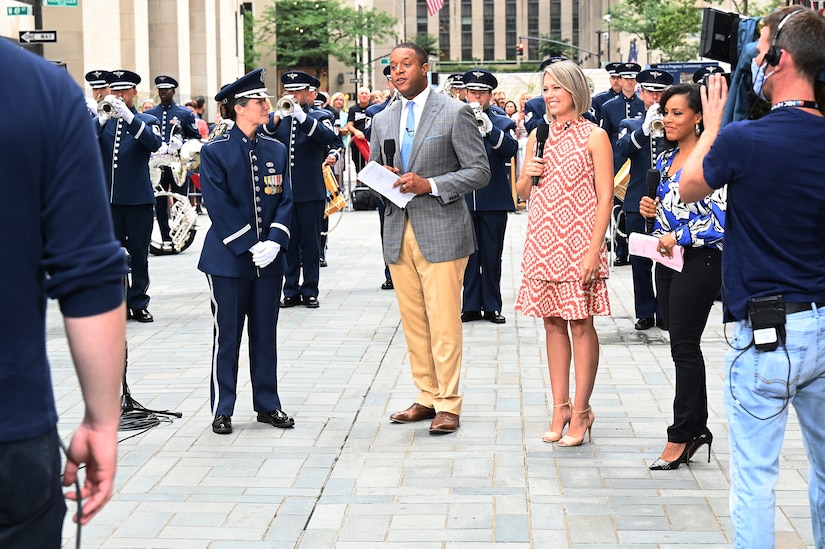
(774,53)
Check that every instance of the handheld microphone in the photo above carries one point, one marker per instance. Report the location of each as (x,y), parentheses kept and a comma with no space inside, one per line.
(389,151)
(542,132)
(652,178)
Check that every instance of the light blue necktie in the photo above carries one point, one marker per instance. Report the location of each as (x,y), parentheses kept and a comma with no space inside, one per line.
(409,135)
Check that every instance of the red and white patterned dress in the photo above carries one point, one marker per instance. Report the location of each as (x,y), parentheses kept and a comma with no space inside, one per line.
(562,212)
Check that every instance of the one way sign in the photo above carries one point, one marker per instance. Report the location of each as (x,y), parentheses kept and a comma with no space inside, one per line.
(37,36)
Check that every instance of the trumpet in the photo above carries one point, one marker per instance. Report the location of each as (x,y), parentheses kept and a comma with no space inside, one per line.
(287,105)
(657,126)
(478,111)
(105,109)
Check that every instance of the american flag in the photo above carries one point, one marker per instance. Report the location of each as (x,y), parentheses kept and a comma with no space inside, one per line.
(434,5)
(633,55)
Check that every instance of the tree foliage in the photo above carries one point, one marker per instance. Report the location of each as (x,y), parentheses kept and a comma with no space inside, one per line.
(428,43)
(250,56)
(664,25)
(554,46)
(305,33)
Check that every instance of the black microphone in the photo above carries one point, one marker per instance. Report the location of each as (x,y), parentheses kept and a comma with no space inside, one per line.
(389,151)
(542,131)
(652,178)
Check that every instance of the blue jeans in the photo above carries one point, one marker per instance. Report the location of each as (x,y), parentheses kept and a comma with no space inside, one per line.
(757,383)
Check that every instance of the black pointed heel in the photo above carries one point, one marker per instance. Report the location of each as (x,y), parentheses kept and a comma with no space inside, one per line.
(701,440)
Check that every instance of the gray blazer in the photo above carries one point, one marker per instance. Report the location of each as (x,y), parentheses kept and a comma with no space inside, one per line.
(449,149)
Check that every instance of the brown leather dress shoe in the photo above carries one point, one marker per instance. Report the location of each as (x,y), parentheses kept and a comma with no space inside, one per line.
(416,412)
(444,423)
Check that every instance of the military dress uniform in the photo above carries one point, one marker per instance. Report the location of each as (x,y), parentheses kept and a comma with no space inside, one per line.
(612,114)
(97,81)
(125,148)
(634,145)
(246,184)
(618,109)
(174,120)
(603,97)
(308,143)
(488,210)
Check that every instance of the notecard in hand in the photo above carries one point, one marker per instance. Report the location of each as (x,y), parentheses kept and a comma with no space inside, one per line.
(380,179)
(645,245)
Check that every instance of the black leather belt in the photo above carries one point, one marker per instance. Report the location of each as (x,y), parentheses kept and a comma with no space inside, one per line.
(798,307)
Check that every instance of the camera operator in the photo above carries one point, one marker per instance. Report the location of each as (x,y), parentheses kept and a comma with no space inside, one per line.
(773,266)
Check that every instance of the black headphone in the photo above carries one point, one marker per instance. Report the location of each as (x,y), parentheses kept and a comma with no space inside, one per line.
(773,54)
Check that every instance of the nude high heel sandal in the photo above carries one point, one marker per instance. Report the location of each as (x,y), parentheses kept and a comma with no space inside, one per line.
(568,441)
(552,436)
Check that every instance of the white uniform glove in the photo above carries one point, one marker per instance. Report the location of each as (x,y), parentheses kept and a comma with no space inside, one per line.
(264,253)
(299,114)
(91,104)
(175,143)
(164,149)
(102,119)
(488,124)
(122,110)
(652,113)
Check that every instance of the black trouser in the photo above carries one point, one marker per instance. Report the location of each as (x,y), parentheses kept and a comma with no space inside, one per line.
(643,298)
(685,299)
(133,228)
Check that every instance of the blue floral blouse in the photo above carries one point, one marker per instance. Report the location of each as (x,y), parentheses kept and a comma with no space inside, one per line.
(695,224)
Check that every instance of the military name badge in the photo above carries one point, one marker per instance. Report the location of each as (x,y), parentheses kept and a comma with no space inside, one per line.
(273,184)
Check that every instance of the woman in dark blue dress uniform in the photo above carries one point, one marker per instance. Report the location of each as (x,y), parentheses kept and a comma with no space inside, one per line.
(243,179)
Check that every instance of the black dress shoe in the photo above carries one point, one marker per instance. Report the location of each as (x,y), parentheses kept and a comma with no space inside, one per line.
(277,418)
(621,262)
(142,315)
(323,262)
(469,316)
(644,324)
(495,317)
(387,285)
(291,301)
(311,302)
(660,323)
(222,425)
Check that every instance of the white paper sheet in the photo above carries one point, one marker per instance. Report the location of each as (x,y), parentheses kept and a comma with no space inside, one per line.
(381,180)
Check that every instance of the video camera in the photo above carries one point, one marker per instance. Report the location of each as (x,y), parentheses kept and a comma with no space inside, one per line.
(720,35)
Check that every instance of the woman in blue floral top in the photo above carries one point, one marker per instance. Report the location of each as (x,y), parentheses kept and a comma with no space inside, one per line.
(685,297)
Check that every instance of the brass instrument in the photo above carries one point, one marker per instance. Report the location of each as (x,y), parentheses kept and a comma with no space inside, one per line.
(657,126)
(183,221)
(478,111)
(190,155)
(220,128)
(105,108)
(287,105)
(657,131)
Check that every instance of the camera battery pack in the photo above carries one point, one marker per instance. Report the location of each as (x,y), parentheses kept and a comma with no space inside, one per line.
(767,317)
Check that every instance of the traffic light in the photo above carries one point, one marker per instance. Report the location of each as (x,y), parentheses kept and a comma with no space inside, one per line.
(520,48)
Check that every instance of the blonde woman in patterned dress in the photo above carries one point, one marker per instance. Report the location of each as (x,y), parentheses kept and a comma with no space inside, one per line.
(565,258)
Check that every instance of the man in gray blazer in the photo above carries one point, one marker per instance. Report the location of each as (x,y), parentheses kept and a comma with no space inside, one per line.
(440,157)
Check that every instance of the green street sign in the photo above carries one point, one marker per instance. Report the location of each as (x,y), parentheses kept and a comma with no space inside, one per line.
(385,60)
(64,3)
(18,10)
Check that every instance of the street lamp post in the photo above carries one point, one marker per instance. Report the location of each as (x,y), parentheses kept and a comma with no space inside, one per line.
(599,47)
